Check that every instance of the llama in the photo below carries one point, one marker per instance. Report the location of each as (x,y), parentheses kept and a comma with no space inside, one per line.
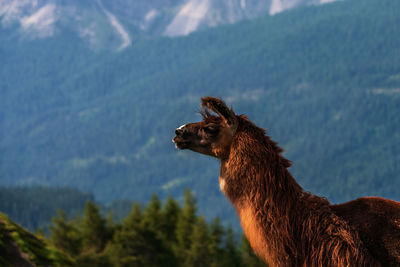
(285,225)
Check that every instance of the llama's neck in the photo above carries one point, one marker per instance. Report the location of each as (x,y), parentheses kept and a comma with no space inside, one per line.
(265,210)
(264,195)
(256,181)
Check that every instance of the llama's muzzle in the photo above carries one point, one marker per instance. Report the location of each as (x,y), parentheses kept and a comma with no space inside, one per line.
(178,139)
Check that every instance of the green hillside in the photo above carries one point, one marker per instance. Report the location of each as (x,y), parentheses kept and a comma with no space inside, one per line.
(18,247)
(323,80)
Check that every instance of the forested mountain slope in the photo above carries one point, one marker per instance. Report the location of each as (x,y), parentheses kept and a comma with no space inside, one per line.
(323,80)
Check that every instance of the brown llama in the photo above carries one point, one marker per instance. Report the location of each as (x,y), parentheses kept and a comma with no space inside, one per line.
(285,225)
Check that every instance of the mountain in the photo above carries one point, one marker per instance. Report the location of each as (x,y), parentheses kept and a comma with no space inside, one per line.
(323,80)
(116,25)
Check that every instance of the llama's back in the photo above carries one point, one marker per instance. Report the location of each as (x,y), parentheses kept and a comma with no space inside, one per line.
(377,221)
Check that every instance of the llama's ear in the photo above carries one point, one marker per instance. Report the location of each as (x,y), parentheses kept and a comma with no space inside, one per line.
(219,107)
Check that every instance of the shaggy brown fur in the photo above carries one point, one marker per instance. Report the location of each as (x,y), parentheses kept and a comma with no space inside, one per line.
(285,225)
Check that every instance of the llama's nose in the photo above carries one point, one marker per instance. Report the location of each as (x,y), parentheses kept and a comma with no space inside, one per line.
(178,132)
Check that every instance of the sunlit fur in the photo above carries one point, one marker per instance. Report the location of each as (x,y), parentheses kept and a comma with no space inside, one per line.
(285,225)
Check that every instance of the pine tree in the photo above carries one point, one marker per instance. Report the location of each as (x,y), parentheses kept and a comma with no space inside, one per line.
(216,235)
(152,215)
(93,229)
(95,235)
(65,235)
(199,253)
(150,236)
(137,244)
(119,250)
(184,227)
(137,247)
(169,219)
(231,255)
(134,218)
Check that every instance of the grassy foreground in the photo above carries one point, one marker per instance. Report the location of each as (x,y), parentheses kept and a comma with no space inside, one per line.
(19,247)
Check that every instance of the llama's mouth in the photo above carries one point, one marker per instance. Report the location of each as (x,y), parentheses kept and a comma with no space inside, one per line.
(181,144)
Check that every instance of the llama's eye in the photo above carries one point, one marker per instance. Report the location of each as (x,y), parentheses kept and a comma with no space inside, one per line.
(211,129)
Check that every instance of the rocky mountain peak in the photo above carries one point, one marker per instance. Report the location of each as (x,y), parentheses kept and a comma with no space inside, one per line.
(113,24)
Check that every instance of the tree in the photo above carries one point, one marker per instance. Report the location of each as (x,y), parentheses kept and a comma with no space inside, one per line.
(119,249)
(199,253)
(150,236)
(65,235)
(169,220)
(95,235)
(152,214)
(184,226)
(137,244)
(231,256)
(93,229)
(134,218)
(214,245)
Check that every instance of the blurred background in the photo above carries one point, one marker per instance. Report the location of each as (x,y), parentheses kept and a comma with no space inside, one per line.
(92,91)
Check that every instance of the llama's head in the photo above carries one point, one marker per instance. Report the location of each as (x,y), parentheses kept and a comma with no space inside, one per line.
(213,135)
